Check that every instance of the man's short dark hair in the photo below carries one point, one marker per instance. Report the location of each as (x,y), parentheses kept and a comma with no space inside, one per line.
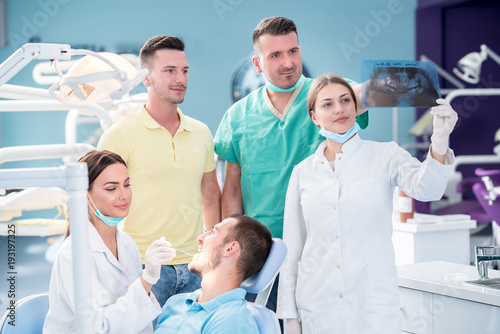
(274,26)
(158,43)
(255,241)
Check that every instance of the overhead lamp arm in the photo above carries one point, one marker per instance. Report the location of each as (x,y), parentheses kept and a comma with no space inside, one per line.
(28,52)
(25,54)
(493,55)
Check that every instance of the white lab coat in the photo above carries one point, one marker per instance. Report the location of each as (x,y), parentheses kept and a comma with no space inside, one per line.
(120,303)
(340,274)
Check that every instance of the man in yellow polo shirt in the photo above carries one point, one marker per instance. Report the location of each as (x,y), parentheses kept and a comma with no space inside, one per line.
(170,158)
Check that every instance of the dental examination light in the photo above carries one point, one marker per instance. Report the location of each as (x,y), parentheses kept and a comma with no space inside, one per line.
(469,67)
(97,77)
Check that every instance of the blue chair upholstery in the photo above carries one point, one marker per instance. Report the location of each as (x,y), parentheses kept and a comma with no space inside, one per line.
(30,316)
(261,284)
(266,320)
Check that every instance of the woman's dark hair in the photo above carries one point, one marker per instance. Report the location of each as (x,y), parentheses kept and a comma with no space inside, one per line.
(97,161)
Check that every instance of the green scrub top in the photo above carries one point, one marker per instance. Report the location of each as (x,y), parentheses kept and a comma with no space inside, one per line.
(267,149)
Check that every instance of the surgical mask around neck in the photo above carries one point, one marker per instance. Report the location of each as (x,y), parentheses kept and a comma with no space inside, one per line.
(338,138)
(269,85)
(108,220)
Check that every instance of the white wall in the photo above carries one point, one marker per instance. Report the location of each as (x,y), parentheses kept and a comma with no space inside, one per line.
(334,37)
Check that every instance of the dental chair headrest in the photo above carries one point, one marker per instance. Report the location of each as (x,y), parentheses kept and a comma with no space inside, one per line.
(265,276)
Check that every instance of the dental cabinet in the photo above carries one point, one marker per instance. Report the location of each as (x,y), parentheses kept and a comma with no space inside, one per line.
(433,238)
(436,300)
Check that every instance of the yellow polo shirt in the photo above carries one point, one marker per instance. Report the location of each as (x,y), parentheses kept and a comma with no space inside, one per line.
(165,177)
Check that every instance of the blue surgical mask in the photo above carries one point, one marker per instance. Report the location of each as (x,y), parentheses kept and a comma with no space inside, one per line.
(269,85)
(108,220)
(339,138)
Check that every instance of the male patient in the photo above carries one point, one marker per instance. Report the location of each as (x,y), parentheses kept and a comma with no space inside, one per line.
(232,251)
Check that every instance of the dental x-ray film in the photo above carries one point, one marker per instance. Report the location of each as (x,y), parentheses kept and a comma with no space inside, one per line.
(399,83)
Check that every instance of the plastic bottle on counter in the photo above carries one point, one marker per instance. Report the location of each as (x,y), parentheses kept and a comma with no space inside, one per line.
(406,207)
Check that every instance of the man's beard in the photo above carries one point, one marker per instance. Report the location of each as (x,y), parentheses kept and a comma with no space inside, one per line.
(200,269)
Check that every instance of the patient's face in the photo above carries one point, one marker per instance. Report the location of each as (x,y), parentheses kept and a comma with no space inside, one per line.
(210,248)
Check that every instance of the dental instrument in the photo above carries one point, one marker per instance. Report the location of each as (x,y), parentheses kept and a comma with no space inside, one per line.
(181,251)
(176,249)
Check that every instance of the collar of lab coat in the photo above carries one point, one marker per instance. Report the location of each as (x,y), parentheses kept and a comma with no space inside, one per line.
(212,305)
(349,146)
(97,245)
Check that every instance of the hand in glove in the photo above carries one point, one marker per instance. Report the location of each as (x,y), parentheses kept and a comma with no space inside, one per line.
(157,254)
(293,326)
(444,121)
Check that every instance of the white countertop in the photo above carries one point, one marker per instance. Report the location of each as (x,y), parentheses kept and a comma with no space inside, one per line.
(447,279)
(431,223)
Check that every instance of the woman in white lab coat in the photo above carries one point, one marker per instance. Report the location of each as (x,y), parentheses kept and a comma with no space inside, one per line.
(340,274)
(122,301)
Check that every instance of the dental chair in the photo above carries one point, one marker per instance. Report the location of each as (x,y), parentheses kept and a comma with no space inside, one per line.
(32,310)
(489,198)
(29,317)
(469,207)
(261,284)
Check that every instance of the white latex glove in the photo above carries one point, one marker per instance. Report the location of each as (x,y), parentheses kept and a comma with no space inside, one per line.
(293,326)
(157,254)
(444,121)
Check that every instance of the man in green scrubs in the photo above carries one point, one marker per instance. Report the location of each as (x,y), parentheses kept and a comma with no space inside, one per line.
(264,135)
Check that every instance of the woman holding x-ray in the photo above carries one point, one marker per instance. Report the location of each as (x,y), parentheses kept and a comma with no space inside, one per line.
(340,273)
